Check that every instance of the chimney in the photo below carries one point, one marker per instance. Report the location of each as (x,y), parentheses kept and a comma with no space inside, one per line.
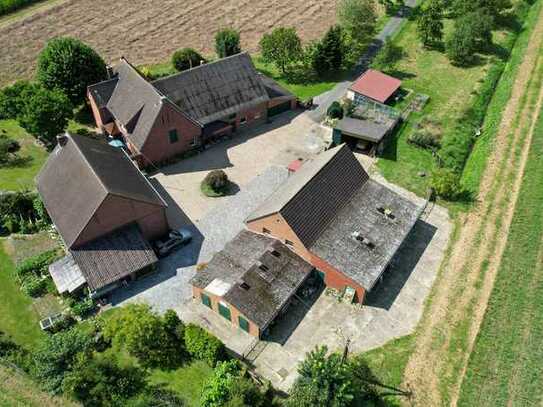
(109,70)
(62,139)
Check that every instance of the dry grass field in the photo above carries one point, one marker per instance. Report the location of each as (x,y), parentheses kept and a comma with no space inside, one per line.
(147,31)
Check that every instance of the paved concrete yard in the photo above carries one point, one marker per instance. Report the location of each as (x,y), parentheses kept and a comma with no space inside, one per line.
(243,157)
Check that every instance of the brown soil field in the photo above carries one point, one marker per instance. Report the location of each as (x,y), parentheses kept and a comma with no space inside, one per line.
(148,31)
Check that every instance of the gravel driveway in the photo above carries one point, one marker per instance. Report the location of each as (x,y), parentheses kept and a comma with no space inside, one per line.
(169,287)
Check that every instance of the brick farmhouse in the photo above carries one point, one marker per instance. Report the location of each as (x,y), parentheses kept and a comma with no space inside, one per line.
(105,211)
(160,119)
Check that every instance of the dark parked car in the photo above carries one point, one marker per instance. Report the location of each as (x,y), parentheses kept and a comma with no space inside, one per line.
(174,240)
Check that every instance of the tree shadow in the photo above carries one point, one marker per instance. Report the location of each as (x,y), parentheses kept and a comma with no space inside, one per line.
(83,115)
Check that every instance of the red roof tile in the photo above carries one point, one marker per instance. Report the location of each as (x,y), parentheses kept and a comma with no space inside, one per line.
(376,85)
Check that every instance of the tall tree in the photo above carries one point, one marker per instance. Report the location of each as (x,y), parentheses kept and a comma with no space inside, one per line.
(430,24)
(45,113)
(70,65)
(330,52)
(145,335)
(281,47)
(358,19)
(227,43)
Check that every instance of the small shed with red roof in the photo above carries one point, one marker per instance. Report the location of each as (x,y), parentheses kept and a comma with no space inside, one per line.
(374,85)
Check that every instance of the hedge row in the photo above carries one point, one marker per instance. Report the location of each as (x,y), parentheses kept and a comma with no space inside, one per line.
(8,6)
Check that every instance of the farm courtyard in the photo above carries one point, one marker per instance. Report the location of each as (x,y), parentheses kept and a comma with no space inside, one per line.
(150,31)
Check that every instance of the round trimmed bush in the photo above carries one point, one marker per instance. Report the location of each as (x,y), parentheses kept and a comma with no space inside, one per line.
(335,111)
(186,58)
(215,183)
(203,346)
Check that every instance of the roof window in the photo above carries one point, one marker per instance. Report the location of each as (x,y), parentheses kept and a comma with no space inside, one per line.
(387,212)
(244,285)
(363,240)
(263,267)
(275,253)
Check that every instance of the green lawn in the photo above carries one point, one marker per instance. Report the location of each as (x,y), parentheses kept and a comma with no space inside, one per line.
(506,365)
(17,317)
(450,90)
(186,381)
(21,176)
(387,364)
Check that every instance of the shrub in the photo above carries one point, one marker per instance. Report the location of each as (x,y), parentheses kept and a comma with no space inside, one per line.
(335,111)
(8,148)
(34,285)
(202,345)
(388,56)
(46,114)
(215,183)
(13,98)
(186,58)
(18,213)
(446,184)
(37,265)
(8,6)
(425,139)
(71,66)
(227,43)
(82,307)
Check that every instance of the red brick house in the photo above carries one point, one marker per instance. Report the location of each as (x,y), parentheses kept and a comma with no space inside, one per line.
(105,210)
(335,217)
(160,119)
(251,281)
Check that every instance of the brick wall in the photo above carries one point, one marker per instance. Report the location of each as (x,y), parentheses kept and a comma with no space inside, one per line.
(234,312)
(254,116)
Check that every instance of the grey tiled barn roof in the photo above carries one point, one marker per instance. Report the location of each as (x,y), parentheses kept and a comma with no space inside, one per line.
(363,217)
(262,275)
(113,257)
(368,130)
(79,175)
(330,201)
(215,90)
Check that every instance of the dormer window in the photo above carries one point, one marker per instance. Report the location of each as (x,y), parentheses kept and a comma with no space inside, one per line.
(174,137)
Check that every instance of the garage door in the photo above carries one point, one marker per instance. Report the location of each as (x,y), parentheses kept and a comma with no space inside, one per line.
(283,107)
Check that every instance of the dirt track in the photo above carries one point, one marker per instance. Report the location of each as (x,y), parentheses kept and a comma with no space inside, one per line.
(149,30)
(461,294)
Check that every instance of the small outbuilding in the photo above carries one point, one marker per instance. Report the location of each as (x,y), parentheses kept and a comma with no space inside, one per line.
(365,134)
(374,85)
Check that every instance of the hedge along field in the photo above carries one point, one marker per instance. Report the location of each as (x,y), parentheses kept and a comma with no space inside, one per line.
(476,163)
(506,366)
(7,6)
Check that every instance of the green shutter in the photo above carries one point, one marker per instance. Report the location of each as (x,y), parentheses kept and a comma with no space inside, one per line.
(243,324)
(173,136)
(206,300)
(225,311)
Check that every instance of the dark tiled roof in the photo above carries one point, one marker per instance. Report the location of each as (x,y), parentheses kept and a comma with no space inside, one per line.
(315,193)
(368,130)
(113,257)
(215,90)
(363,215)
(102,91)
(78,176)
(258,282)
(135,103)
(274,89)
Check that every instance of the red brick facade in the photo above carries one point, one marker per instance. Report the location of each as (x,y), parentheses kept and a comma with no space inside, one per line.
(234,312)
(116,212)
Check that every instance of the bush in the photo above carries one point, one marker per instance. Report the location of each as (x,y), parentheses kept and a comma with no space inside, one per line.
(227,43)
(71,66)
(19,212)
(335,111)
(203,346)
(9,6)
(46,113)
(446,184)
(8,148)
(13,98)
(215,183)
(388,56)
(82,307)
(37,265)
(425,139)
(33,285)
(186,58)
